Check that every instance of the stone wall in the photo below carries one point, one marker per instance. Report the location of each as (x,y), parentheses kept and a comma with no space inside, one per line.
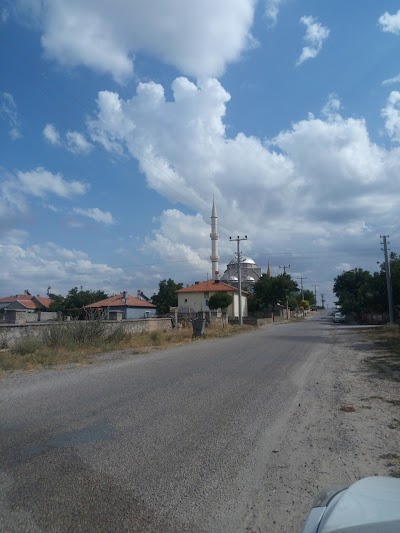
(11,333)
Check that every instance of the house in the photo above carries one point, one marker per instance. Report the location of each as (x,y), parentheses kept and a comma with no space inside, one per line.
(124,306)
(25,302)
(196,297)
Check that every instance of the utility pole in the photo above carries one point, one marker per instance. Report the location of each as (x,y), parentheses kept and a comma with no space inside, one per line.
(302,294)
(315,293)
(323,299)
(287,302)
(284,268)
(388,278)
(238,239)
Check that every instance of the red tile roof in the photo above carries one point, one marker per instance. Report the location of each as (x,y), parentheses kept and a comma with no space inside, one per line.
(9,299)
(28,304)
(43,301)
(119,301)
(209,286)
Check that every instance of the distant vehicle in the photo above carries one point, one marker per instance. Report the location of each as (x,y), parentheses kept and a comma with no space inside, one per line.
(370,505)
(338,317)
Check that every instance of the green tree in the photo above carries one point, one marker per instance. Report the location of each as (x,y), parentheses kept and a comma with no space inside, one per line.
(355,290)
(309,296)
(271,290)
(166,296)
(220,300)
(75,300)
(305,304)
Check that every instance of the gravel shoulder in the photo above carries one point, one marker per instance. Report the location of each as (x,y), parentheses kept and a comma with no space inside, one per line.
(345,427)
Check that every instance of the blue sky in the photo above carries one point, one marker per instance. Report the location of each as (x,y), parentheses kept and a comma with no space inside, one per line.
(120,121)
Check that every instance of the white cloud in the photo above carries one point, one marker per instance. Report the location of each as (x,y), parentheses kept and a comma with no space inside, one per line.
(40,265)
(51,134)
(316,35)
(392,115)
(199,37)
(390,23)
(77,143)
(96,214)
(272,10)
(395,79)
(41,182)
(8,111)
(74,142)
(332,107)
(323,180)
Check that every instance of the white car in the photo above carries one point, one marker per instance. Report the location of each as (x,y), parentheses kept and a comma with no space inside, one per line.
(371,505)
(338,317)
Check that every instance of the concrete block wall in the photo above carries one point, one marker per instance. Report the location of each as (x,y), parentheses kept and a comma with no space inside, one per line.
(11,333)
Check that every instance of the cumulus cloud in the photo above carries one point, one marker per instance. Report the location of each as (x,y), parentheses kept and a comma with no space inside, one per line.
(390,23)
(9,112)
(51,134)
(74,141)
(321,181)
(39,265)
(16,188)
(77,143)
(41,182)
(95,214)
(199,37)
(391,113)
(315,36)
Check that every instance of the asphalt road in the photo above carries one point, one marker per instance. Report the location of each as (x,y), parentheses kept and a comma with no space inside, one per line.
(181,440)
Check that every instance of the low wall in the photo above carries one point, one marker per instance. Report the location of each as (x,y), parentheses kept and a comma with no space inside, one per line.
(250,321)
(11,333)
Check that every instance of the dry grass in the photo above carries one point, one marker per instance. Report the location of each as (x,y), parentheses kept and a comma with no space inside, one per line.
(56,349)
(387,340)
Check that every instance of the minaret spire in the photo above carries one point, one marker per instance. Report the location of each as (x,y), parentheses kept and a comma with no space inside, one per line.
(214,243)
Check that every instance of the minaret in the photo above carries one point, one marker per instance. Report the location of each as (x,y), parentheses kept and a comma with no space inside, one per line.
(214,243)
(269,271)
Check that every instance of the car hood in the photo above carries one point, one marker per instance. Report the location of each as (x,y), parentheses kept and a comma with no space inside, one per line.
(369,505)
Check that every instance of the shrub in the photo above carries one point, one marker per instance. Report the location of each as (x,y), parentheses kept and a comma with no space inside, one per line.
(155,337)
(26,345)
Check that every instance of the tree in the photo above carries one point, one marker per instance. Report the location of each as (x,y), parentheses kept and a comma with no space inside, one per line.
(305,304)
(271,290)
(309,296)
(220,300)
(75,300)
(354,290)
(166,296)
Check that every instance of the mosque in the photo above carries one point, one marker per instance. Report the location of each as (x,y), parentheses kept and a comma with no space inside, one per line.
(250,273)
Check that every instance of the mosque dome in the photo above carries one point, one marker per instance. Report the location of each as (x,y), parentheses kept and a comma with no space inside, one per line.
(247,261)
(233,278)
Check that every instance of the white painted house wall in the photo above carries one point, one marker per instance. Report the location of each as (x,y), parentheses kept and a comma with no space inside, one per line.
(198,302)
